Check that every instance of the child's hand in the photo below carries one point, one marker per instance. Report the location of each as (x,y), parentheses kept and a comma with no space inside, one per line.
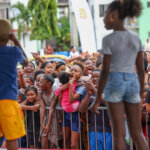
(89,86)
(143,106)
(47,128)
(94,108)
(65,86)
(36,107)
(43,128)
(12,37)
(75,78)
(89,92)
(20,72)
(35,55)
(55,64)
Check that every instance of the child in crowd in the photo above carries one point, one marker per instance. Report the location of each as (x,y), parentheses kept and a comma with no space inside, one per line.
(25,82)
(21,97)
(123,92)
(31,106)
(50,130)
(11,118)
(28,81)
(48,67)
(71,125)
(63,95)
(89,67)
(29,69)
(60,66)
(91,86)
(37,77)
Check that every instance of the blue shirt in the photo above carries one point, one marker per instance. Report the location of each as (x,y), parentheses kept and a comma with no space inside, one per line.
(82,91)
(9,57)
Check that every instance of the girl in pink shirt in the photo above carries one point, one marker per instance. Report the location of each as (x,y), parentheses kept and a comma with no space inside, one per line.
(63,93)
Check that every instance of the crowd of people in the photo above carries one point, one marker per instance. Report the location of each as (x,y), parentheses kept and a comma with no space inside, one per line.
(55,96)
(48,85)
(73,86)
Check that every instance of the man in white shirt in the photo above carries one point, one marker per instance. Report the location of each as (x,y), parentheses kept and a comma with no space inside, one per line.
(73,52)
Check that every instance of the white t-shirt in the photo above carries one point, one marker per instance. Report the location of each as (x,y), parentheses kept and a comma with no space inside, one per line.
(74,54)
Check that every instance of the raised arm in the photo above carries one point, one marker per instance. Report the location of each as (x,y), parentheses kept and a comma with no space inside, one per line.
(72,96)
(21,77)
(37,57)
(34,108)
(69,60)
(16,42)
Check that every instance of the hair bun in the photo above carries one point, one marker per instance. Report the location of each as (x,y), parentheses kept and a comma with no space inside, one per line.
(130,8)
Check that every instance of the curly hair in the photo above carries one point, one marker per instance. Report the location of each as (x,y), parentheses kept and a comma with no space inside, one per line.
(48,78)
(80,65)
(126,8)
(31,88)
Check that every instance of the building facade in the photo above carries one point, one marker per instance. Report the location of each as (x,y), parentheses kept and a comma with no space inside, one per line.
(139,25)
(4,8)
(63,8)
(98,8)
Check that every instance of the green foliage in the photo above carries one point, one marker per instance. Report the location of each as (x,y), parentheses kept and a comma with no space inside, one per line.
(44,21)
(22,18)
(64,39)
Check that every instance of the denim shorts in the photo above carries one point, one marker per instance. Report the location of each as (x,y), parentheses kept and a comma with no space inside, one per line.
(74,124)
(122,87)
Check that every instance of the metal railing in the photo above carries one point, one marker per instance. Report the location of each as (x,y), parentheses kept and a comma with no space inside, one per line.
(81,144)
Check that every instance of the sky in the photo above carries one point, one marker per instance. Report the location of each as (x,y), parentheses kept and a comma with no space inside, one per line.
(22,1)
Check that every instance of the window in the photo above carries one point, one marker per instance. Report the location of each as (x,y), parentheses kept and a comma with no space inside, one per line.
(102,9)
(148,4)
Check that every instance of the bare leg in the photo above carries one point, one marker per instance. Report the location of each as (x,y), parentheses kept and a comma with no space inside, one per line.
(116,111)
(12,144)
(66,131)
(133,113)
(74,140)
(31,146)
(3,144)
(44,142)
